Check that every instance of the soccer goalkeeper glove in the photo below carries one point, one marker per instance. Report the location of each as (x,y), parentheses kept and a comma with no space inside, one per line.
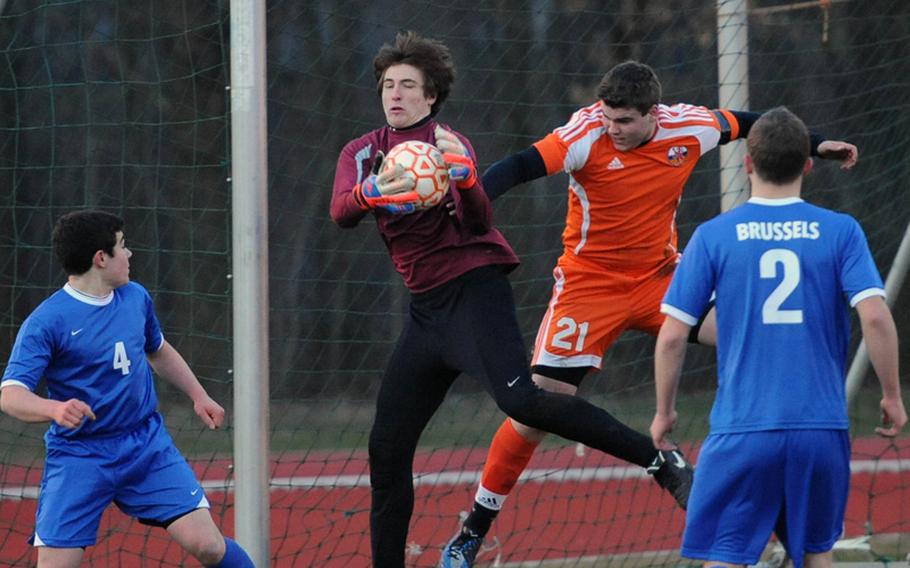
(387,189)
(461,166)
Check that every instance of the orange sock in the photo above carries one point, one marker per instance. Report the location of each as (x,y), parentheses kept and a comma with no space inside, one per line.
(509,455)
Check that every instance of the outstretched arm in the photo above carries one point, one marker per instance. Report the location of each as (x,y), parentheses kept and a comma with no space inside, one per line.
(847,154)
(170,366)
(844,152)
(518,168)
(881,341)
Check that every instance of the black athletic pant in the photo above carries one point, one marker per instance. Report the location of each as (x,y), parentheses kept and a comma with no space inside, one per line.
(466,325)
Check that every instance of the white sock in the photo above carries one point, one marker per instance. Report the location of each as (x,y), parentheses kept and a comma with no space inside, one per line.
(488,499)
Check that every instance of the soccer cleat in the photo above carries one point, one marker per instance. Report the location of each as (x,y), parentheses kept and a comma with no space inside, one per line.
(672,472)
(461,550)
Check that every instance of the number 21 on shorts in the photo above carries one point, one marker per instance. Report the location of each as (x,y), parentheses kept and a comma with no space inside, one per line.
(568,330)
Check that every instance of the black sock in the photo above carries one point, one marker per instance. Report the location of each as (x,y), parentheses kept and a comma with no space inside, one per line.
(480,519)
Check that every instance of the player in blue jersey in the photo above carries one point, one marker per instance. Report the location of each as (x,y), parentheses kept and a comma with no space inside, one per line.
(95,343)
(777,457)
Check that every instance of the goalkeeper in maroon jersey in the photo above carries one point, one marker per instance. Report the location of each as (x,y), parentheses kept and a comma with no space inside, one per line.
(462,314)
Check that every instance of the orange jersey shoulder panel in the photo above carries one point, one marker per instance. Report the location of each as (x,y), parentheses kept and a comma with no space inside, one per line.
(585,126)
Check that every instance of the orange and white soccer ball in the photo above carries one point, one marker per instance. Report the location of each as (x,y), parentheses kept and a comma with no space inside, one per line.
(424,163)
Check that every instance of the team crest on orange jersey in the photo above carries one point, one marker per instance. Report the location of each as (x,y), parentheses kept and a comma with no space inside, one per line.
(677,155)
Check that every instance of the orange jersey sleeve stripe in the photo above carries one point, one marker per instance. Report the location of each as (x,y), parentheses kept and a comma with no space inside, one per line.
(686,115)
(555,146)
(581,122)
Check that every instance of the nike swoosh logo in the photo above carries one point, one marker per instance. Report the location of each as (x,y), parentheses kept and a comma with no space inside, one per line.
(511,383)
(76,332)
(194,491)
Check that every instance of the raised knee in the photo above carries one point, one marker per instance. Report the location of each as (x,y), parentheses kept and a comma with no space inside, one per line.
(522,405)
(208,551)
(521,411)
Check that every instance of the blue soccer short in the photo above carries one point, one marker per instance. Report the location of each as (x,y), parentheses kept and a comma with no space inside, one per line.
(141,471)
(792,482)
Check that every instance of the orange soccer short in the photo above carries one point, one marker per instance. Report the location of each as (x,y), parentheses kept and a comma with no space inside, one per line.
(591,307)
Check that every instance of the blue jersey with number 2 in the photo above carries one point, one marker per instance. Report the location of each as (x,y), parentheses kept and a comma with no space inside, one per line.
(92,349)
(785,273)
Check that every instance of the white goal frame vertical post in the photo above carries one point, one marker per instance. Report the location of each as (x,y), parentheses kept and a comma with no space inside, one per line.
(250,262)
(893,285)
(733,93)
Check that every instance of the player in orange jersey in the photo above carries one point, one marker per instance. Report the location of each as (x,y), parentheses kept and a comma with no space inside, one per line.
(628,158)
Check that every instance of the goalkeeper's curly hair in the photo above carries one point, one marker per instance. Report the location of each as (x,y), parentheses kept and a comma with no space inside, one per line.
(432,57)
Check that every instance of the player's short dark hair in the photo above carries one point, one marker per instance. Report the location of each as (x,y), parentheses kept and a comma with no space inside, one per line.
(779,146)
(630,85)
(80,234)
(432,57)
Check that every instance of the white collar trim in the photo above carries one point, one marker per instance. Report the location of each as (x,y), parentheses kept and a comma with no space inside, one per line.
(775,202)
(88,298)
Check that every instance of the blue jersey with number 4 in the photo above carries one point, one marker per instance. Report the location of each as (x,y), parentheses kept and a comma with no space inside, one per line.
(784,273)
(92,349)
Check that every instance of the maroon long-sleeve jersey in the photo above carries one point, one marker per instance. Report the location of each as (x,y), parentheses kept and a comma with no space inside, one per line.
(428,247)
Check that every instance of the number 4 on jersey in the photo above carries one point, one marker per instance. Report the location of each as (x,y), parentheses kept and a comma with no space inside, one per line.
(121,361)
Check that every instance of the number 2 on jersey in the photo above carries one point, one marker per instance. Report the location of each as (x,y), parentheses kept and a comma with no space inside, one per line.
(771,313)
(121,361)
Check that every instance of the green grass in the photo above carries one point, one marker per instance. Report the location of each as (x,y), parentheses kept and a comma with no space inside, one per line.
(462,421)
